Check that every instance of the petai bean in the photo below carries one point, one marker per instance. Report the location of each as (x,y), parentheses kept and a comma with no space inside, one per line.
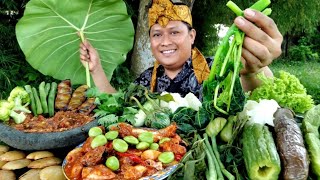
(119,145)
(111,135)
(146,137)
(166,157)
(142,145)
(94,131)
(113,163)
(131,140)
(99,140)
(164,140)
(154,146)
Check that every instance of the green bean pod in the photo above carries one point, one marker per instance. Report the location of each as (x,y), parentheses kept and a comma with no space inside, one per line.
(47,88)
(37,99)
(28,88)
(43,97)
(51,98)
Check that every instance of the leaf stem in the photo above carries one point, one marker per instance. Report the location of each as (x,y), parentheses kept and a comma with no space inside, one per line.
(217,55)
(87,64)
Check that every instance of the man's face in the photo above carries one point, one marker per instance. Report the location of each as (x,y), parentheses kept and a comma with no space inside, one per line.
(171,45)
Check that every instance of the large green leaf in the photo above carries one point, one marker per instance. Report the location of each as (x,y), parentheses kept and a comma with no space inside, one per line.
(47,34)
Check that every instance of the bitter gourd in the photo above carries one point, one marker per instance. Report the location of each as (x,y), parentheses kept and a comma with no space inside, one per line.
(260,154)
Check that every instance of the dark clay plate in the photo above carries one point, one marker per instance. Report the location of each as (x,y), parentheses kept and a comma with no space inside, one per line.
(44,141)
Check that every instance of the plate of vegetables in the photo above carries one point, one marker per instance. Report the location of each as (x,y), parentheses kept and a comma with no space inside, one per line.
(125,152)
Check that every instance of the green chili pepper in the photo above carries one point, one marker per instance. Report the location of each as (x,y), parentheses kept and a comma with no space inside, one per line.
(37,99)
(51,98)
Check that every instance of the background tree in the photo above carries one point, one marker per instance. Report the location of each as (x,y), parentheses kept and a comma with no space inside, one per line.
(14,71)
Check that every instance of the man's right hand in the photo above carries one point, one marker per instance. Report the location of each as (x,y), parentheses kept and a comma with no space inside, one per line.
(89,54)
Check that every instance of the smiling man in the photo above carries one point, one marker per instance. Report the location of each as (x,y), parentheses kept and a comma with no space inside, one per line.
(179,67)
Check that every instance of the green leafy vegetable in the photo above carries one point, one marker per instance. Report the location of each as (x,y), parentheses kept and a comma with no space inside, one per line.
(120,106)
(286,90)
(47,34)
(223,88)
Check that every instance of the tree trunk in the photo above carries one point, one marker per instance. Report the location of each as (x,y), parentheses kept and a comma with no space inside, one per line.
(142,56)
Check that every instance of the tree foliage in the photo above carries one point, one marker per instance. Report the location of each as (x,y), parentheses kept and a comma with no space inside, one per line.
(296,17)
(14,71)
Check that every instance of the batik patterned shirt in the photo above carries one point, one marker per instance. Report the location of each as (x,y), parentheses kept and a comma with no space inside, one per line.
(183,83)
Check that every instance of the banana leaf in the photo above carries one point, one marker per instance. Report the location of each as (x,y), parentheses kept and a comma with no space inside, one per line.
(48,35)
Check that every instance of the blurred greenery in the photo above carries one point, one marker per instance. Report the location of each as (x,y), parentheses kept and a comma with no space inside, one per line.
(307,72)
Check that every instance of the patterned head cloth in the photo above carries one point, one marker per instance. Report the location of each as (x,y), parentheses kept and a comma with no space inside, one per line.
(163,11)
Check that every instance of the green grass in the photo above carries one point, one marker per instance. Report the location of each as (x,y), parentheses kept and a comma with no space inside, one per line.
(307,72)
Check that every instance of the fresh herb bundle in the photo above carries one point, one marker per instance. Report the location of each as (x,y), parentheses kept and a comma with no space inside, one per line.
(222,91)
